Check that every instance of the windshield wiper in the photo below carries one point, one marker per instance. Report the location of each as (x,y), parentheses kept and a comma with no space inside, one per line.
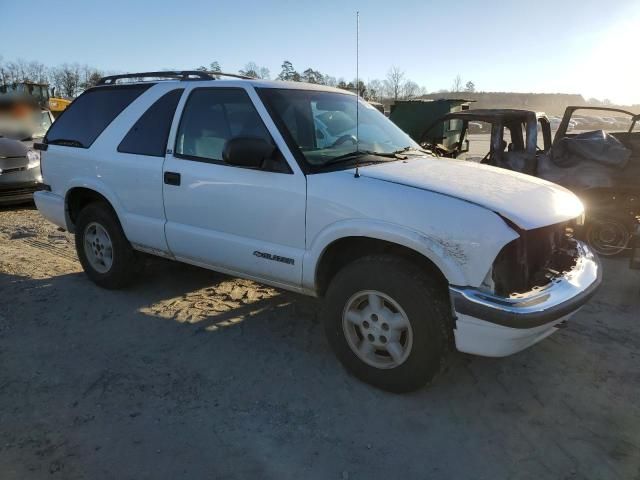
(361,153)
(411,149)
(65,142)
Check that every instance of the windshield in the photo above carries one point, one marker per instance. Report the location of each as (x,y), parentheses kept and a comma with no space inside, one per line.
(323,125)
(589,119)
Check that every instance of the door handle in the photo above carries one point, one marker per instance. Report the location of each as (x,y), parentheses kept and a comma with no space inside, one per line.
(172,178)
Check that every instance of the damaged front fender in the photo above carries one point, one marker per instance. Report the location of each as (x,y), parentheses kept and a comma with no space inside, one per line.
(461,238)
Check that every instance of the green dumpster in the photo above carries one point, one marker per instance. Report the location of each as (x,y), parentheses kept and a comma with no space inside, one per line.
(415,117)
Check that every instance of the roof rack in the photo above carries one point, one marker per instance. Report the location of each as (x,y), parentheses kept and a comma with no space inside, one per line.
(174,75)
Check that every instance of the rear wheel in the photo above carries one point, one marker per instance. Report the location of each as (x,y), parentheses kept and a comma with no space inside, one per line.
(387,322)
(103,250)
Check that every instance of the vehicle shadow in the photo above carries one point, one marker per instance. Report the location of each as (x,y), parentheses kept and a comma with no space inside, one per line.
(18,206)
(191,373)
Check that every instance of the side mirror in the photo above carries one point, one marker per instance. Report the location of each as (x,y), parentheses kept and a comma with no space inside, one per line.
(247,151)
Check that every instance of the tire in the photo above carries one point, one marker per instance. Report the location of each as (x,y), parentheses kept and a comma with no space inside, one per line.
(405,291)
(124,265)
(608,236)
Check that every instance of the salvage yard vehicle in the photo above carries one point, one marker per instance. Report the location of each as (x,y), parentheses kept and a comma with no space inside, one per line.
(602,168)
(58,105)
(412,255)
(22,120)
(634,262)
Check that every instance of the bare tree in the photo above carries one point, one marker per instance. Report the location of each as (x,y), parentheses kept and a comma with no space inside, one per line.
(264,73)
(329,80)
(410,89)
(375,90)
(250,70)
(393,82)
(456,86)
(90,77)
(67,79)
(23,71)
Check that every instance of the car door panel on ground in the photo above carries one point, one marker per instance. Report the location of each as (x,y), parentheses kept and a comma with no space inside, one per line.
(237,219)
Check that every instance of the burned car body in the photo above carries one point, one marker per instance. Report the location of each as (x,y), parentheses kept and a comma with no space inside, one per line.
(634,262)
(602,168)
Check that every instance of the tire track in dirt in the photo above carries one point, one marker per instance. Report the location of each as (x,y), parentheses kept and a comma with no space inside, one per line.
(52,248)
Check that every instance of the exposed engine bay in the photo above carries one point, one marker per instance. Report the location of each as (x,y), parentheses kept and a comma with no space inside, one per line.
(534,259)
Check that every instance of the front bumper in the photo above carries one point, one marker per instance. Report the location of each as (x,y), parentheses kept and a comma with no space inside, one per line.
(18,182)
(14,193)
(496,326)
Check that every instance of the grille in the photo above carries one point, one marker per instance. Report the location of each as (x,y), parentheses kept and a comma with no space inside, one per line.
(16,190)
(4,171)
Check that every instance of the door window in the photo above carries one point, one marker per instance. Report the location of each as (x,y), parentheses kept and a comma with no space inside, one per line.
(479,136)
(211,117)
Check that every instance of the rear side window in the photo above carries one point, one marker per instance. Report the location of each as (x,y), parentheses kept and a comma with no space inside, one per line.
(89,114)
(149,134)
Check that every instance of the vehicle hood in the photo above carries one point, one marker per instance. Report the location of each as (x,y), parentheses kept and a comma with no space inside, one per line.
(13,153)
(10,148)
(527,201)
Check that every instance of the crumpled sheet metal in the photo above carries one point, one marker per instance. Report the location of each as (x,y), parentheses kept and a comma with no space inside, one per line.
(588,160)
(597,146)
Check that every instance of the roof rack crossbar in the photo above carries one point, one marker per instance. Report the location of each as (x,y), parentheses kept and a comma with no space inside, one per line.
(174,75)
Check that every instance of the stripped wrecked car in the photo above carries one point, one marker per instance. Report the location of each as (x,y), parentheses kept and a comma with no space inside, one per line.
(601,166)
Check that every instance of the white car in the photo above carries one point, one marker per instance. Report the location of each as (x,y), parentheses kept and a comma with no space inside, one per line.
(413,255)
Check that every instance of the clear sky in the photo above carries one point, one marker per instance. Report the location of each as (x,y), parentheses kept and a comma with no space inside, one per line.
(572,46)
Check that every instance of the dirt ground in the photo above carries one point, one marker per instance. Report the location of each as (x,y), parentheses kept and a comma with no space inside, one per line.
(193,374)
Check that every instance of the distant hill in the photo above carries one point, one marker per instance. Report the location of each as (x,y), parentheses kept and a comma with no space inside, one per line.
(550,103)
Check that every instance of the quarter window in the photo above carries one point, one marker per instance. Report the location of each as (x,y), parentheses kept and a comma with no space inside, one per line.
(89,114)
(149,134)
(211,117)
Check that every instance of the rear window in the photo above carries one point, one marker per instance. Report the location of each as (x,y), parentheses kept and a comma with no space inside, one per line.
(149,134)
(89,114)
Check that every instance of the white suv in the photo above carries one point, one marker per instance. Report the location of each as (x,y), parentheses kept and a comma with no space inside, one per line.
(285,184)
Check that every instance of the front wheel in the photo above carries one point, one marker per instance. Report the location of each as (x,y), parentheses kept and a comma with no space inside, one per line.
(387,322)
(103,250)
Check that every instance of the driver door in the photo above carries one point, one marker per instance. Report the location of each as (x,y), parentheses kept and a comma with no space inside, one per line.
(244,221)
